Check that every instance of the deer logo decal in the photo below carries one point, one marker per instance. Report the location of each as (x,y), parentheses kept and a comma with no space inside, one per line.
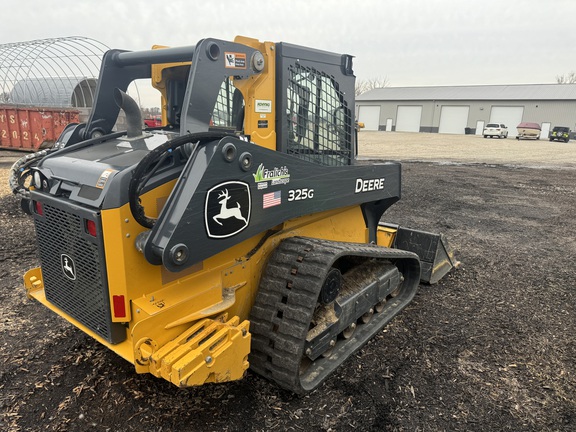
(68,267)
(226,212)
(227,209)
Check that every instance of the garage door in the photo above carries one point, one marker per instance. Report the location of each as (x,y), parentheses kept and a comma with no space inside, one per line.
(453,119)
(408,118)
(511,116)
(370,116)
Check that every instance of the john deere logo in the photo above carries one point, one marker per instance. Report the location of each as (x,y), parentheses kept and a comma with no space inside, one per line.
(68,267)
(227,209)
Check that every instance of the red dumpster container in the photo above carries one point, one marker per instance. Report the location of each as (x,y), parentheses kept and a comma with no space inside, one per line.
(32,128)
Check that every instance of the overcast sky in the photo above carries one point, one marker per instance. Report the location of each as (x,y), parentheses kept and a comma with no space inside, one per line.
(411,43)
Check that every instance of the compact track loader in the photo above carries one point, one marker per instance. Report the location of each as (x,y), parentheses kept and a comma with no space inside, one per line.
(239,234)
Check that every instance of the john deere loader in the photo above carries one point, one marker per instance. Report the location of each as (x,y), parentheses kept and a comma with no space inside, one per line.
(240,234)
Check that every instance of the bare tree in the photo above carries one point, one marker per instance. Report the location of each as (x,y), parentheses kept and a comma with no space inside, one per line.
(569,78)
(150,112)
(364,85)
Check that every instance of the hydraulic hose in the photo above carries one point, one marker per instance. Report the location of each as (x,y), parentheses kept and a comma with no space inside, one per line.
(21,171)
(142,172)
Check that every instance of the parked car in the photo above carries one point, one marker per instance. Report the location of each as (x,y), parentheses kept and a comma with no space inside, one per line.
(560,133)
(154,121)
(528,130)
(495,130)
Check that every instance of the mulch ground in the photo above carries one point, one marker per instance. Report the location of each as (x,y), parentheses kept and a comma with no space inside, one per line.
(489,348)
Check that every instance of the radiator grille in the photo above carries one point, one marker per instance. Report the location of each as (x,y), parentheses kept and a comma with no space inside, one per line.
(61,237)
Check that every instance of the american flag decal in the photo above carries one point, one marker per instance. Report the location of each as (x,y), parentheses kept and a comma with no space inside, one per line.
(272,199)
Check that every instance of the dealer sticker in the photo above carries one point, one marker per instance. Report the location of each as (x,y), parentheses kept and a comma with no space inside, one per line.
(276,175)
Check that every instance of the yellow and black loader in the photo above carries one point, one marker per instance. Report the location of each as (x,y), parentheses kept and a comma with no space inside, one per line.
(241,233)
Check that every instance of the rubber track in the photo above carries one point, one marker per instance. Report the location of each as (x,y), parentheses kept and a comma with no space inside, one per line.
(286,300)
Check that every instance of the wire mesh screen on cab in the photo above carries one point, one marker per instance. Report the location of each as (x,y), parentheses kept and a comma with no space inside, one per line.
(319,122)
(229,108)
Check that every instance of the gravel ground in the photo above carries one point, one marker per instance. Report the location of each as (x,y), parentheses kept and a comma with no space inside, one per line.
(466,149)
(492,347)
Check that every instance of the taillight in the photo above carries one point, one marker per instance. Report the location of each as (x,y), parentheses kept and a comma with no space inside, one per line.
(39,208)
(119,306)
(91,227)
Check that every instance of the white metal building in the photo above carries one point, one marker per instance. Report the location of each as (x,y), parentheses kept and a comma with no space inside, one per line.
(466,109)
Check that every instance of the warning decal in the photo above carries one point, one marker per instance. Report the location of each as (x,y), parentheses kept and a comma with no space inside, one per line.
(104,178)
(235,60)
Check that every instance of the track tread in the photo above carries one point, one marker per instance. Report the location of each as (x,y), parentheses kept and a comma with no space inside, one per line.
(286,300)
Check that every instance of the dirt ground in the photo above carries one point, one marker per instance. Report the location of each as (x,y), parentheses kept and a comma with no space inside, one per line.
(492,347)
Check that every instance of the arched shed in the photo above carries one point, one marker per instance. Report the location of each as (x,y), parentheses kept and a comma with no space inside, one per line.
(44,85)
(60,72)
